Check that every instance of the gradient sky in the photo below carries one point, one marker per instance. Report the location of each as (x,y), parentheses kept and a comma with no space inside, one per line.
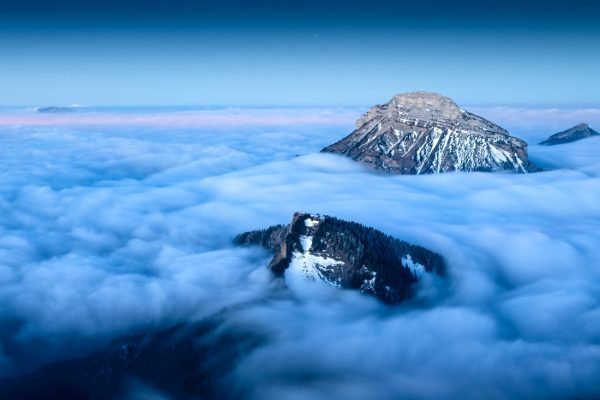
(298,53)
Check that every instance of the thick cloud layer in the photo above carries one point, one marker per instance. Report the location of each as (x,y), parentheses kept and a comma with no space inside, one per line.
(107,229)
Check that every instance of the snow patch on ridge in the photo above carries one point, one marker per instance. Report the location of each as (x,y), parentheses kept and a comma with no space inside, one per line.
(416,268)
(305,265)
(369,284)
(311,222)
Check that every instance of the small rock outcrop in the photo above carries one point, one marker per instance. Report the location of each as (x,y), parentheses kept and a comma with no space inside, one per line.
(424,133)
(345,255)
(578,132)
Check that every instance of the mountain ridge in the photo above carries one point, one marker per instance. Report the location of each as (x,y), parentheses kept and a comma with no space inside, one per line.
(345,255)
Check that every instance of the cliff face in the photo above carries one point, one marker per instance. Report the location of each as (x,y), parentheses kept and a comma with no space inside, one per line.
(270,238)
(345,255)
(423,133)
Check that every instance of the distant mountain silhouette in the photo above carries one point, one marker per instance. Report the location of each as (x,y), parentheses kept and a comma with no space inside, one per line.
(54,110)
(578,132)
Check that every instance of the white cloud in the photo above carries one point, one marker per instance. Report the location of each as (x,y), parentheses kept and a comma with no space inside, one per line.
(116,228)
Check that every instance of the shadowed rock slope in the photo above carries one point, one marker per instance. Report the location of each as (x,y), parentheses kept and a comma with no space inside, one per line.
(578,132)
(187,361)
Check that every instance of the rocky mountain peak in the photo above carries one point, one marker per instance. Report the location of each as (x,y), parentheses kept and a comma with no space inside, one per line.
(423,132)
(577,132)
(428,104)
(345,255)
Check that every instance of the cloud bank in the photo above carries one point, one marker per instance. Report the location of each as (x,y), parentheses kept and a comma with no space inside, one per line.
(178,117)
(111,229)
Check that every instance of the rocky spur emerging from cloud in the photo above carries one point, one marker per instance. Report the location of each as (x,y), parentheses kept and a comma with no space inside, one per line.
(577,132)
(125,231)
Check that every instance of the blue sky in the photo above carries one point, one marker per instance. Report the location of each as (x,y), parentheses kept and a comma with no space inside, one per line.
(309,53)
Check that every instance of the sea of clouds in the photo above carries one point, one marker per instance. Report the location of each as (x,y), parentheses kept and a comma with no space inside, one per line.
(115,222)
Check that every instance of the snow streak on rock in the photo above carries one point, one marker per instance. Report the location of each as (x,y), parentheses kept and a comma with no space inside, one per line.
(304,264)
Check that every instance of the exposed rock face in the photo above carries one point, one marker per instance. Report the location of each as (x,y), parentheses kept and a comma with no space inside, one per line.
(578,132)
(423,133)
(345,255)
(270,238)
(54,110)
